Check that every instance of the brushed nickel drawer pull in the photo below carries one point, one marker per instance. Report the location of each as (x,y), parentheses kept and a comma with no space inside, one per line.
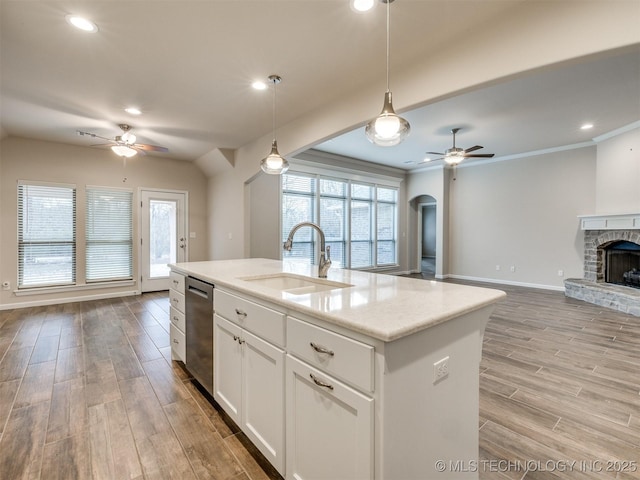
(175,341)
(240,313)
(321,349)
(320,383)
(175,319)
(175,282)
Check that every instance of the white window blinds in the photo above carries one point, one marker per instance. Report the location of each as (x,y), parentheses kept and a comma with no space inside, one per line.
(109,234)
(46,235)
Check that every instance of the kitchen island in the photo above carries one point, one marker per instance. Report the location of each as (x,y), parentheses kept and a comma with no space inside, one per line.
(359,375)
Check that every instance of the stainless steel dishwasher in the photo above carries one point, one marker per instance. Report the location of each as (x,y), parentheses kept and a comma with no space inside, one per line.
(199,331)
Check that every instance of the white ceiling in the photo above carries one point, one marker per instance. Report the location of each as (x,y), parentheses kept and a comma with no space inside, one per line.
(189,66)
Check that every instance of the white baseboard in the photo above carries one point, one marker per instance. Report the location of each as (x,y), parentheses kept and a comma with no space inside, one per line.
(507,282)
(58,301)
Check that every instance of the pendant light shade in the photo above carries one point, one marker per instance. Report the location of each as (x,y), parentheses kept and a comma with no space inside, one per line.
(274,163)
(387,129)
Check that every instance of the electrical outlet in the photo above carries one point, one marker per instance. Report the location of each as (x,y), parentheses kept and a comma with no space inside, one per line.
(561,273)
(513,268)
(497,268)
(440,369)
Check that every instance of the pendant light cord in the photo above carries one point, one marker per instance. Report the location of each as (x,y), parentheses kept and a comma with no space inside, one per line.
(275,83)
(388,2)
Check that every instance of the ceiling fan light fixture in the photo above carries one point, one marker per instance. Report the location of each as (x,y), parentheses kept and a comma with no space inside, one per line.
(133,111)
(123,151)
(454,156)
(274,163)
(387,129)
(128,138)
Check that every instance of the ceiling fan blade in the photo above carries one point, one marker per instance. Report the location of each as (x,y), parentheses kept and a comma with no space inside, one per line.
(137,149)
(103,145)
(93,135)
(473,149)
(480,155)
(151,148)
(435,153)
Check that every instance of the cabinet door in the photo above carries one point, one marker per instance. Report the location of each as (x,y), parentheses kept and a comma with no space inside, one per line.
(329,427)
(263,397)
(227,365)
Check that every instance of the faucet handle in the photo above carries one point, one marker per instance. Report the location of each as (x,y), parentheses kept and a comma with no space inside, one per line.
(328,257)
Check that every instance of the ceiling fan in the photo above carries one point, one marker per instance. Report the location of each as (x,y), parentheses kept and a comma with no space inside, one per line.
(125,145)
(454,155)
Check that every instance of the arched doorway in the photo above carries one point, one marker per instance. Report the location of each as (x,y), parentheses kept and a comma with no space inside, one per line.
(425,207)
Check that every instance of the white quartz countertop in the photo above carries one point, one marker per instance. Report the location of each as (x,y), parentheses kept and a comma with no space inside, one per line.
(385,307)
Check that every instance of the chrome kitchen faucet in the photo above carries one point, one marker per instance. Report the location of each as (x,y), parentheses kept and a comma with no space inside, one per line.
(325,258)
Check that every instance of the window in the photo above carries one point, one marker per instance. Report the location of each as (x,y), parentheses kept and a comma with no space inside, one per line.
(359,219)
(386,225)
(109,234)
(46,235)
(298,205)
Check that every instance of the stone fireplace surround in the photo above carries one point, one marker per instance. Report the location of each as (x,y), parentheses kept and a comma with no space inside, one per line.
(599,232)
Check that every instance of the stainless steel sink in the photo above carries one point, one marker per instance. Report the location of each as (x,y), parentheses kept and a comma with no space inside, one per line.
(294,284)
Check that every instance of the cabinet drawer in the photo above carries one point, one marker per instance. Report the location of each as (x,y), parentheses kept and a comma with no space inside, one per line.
(264,322)
(178,344)
(177,318)
(176,281)
(348,359)
(176,300)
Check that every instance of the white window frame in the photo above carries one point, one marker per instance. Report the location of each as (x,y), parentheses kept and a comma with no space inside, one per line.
(350,176)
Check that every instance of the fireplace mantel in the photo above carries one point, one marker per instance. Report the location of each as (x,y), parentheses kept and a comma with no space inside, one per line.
(626,221)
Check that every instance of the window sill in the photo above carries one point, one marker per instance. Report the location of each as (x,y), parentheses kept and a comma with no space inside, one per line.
(72,288)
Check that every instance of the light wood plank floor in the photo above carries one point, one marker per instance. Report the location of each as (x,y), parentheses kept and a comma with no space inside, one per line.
(88,391)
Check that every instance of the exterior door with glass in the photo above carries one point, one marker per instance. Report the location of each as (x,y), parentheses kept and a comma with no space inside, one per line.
(163,237)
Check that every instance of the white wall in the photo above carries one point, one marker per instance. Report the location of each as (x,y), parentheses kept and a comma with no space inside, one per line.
(618,174)
(264,216)
(22,159)
(522,213)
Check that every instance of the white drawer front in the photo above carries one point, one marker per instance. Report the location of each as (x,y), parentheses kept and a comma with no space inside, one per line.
(264,322)
(178,344)
(176,281)
(176,300)
(177,318)
(348,359)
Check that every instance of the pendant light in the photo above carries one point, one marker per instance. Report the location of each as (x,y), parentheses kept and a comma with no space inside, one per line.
(387,129)
(274,163)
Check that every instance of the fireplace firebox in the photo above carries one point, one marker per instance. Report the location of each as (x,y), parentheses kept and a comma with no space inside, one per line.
(622,264)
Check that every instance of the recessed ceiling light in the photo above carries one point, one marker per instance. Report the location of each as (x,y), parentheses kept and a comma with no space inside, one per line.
(82,23)
(259,85)
(133,111)
(426,159)
(586,126)
(361,5)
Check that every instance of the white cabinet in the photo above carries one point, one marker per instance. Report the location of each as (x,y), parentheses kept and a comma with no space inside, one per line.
(176,316)
(329,427)
(249,374)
